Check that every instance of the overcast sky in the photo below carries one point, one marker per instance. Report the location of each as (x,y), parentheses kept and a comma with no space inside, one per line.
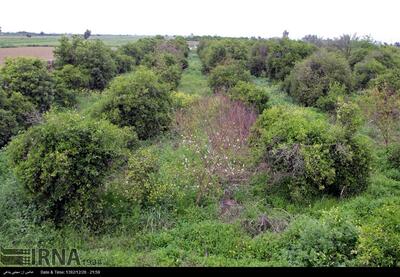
(265,18)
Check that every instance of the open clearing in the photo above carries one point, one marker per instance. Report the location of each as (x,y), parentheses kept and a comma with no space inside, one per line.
(44,53)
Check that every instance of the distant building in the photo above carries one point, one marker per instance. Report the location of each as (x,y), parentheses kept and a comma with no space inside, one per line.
(193,44)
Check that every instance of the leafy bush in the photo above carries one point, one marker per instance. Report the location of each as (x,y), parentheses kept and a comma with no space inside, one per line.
(62,165)
(91,55)
(27,89)
(381,105)
(380,238)
(329,102)
(308,156)
(312,78)
(394,156)
(366,70)
(390,80)
(258,59)
(138,100)
(141,184)
(375,63)
(283,55)
(216,52)
(31,78)
(225,76)
(123,62)
(204,238)
(183,100)
(330,241)
(8,126)
(73,77)
(138,49)
(250,94)
(18,113)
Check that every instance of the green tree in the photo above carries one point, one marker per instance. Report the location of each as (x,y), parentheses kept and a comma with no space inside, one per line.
(313,78)
(138,100)
(225,76)
(63,163)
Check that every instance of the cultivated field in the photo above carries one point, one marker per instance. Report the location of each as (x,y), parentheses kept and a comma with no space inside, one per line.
(20,40)
(44,53)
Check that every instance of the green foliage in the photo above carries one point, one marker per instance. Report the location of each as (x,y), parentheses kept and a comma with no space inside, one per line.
(193,81)
(380,238)
(77,171)
(8,126)
(258,58)
(27,89)
(308,156)
(91,55)
(389,80)
(367,70)
(329,102)
(205,238)
(394,156)
(123,62)
(375,63)
(182,100)
(142,184)
(329,241)
(312,78)
(250,94)
(215,52)
(137,100)
(348,115)
(283,55)
(225,76)
(140,48)
(72,76)
(31,78)
(62,165)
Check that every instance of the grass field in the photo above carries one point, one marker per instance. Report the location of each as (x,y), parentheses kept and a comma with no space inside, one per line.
(19,41)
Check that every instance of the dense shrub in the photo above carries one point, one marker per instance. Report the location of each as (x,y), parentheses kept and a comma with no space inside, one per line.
(31,78)
(330,241)
(8,126)
(97,59)
(366,70)
(139,49)
(138,100)
(250,94)
(380,238)
(312,78)
(390,80)
(215,52)
(381,107)
(308,156)
(394,156)
(123,62)
(166,66)
(17,113)
(375,63)
(72,76)
(91,55)
(283,55)
(27,89)
(62,164)
(181,100)
(225,76)
(257,62)
(210,237)
(141,184)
